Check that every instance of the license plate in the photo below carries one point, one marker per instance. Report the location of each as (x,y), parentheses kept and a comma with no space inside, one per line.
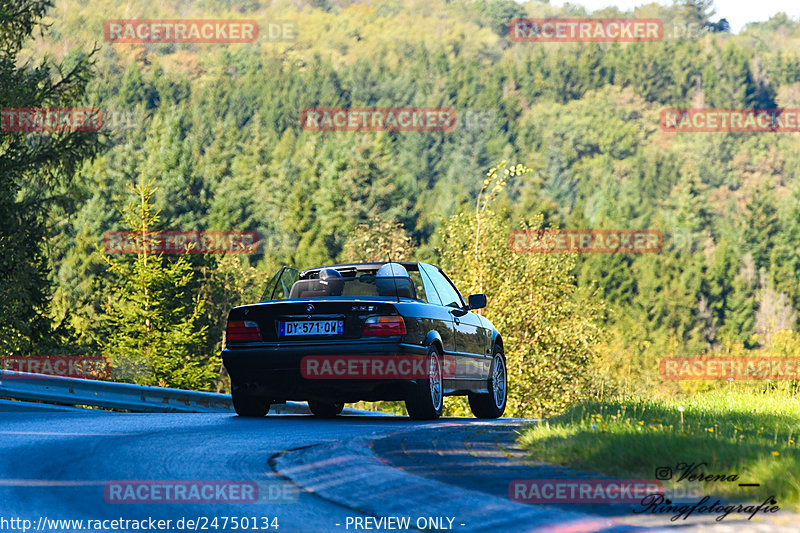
(311,327)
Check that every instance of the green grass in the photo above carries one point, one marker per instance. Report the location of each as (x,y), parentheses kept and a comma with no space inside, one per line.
(754,435)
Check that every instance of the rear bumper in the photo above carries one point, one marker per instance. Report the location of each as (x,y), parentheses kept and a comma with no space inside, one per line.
(273,370)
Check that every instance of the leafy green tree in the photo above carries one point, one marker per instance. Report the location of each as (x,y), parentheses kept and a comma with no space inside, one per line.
(378,240)
(697,11)
(497,14)
(550,327)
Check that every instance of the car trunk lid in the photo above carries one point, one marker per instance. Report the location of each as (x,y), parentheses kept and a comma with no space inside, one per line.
(294,321)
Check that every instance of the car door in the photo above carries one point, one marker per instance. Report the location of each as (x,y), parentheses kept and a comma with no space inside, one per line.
(476,339)
(442,321)
(469,364)
(279,286)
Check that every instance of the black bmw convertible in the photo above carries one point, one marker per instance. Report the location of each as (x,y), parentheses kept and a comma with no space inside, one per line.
(368,331)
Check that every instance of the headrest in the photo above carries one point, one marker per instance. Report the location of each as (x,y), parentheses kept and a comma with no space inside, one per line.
(332,281)
(329,273)
(390,270)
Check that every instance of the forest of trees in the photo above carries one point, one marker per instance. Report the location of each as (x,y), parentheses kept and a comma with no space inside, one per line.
(213,133)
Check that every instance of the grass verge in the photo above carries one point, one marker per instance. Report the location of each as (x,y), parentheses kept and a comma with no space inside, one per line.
(752,435)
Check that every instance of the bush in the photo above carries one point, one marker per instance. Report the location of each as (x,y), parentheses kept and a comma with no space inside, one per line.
(549,328)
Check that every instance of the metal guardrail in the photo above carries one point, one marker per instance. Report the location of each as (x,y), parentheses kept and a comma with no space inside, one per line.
(12,406)
(137,398)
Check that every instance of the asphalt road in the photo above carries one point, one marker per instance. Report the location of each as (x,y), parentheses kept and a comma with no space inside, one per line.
(56,465)
(64,465)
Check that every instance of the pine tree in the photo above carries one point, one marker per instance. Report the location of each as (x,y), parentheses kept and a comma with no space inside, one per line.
(36,174)
(760,224)
(152,331)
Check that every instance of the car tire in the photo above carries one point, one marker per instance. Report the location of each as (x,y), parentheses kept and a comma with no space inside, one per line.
(493,404)
(323,409)
(248,405)
(426,400)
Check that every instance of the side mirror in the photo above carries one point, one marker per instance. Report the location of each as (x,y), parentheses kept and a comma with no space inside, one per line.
(477,301)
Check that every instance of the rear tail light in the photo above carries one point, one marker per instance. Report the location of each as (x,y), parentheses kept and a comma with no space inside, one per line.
(242,331)
(384,325)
